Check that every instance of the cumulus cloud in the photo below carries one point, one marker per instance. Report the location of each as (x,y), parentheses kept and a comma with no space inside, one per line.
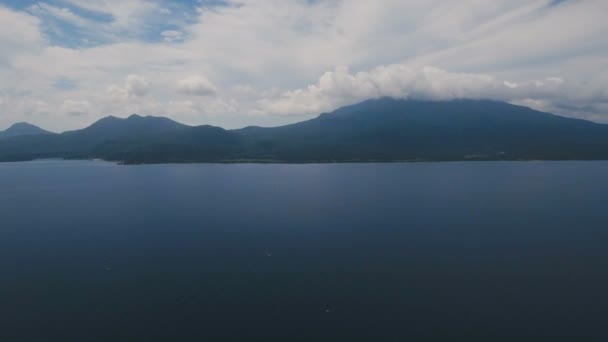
(196,85)
(134,87)
(341,87)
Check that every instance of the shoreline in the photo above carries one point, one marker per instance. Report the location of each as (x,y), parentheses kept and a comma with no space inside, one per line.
(319,162)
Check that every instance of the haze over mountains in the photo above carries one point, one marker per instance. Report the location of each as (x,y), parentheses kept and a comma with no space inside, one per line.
(382,129)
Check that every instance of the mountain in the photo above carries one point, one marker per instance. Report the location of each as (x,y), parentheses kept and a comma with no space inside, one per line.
(135,125)
(135,129)
(382,129)
(387,129)
(22,128)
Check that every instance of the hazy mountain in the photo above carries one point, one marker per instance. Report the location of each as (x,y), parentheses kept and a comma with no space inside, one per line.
(375,130)
(22,128)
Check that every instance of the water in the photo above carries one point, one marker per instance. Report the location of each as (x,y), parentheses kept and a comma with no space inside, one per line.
(92,251)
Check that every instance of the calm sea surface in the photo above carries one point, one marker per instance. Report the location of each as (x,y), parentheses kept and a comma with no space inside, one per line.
(514,251)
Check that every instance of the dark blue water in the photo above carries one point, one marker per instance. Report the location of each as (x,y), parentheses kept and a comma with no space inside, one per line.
(91,251)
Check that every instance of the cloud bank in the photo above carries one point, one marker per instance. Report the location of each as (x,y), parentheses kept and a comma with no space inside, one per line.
(341,87)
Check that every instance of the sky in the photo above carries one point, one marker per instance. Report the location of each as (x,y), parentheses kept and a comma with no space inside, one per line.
(232,63)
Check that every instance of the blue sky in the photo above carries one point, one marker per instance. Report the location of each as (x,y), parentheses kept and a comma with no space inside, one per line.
(67,63)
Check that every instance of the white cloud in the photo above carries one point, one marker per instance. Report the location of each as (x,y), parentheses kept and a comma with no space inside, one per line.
(191,108)
(135,86)
(244,89)
(171,36)
(196,85)
(61,13)
(76,107)
(20,34)
(341,87)
(38,107)
(127,15)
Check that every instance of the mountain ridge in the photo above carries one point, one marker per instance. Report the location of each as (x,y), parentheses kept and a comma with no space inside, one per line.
(383,129)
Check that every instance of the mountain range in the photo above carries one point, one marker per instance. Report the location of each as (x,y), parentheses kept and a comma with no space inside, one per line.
(382,129)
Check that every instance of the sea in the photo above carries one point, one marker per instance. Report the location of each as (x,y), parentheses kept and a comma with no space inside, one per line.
(451,251)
